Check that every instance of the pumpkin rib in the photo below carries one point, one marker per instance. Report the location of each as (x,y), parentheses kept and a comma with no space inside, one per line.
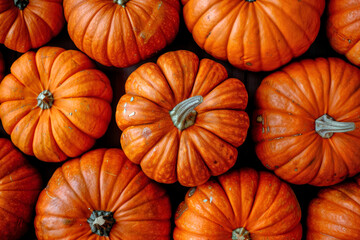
(13,214)
(341,157)
(108,42)
(41,20)
(337,203)
(195,21)
(255,8)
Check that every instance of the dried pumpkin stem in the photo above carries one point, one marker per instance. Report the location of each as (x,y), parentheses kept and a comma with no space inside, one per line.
(45,99)
(121,2)
(21,4)
(326,126)
(250,0)
(240,234)
(101,222)
(183,115)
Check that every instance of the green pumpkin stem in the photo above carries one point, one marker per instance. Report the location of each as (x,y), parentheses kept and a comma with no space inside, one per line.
(326,126)
(183,115)
(250,0)
(101,222)
(121,2)
(45,100)
(21,4)
(240,234)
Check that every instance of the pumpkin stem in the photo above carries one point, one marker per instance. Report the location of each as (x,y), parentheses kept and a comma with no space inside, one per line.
(250,0)
(45,100)
(101,222)
(183,115)
(240,234)
(326,126)
(21,4)
(121,2)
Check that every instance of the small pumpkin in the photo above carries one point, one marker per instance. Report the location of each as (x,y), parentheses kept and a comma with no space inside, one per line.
(27,24)
(254,35)
(102,195)
(342,28)
(121,33)
(54,103)
(239,205)
(20,185)
(182,119)
(306,122)
(2,67)
(335,212)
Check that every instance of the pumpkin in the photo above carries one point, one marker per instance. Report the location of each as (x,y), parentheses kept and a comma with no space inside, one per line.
(239,205)
(54,103)
(102,195)
(254,35)
(306,122)
(182,119)
(335,212)
(342,28)
(27,24)
(20,185)
(121,33)
(2,67)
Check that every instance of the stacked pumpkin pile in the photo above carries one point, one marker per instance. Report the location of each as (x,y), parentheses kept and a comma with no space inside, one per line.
(187,168)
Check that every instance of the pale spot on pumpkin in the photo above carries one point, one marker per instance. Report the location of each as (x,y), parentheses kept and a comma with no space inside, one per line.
(11,179)
(205,200)
(131,99)
(131,114)
(111,174)
(146,132)
(70,114)
(249,63)
(210,199)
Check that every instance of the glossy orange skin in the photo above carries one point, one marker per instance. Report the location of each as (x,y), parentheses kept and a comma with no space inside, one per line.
(255,36)
(257,201)
(2,67)
(121,36)
(190,156)
(102,179)
(335,213)
(81,111)
(31,27)
(343,26)
(20,185)
(288,102)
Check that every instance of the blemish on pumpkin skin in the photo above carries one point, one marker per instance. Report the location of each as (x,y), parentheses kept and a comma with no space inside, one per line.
(191,191)
(11,179)
(131,114)
(111,174)
(146,132)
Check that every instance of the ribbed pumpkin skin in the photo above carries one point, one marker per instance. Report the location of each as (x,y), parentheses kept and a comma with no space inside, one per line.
(121,36)
(257,201)
(32,27)
(343,26)
(289,101)
(80,113)
(2,67)
(257,36)
(20,185)
(335,213)
(190,156)
(102,179)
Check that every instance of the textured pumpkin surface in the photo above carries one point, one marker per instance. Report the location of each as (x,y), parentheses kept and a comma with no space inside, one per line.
(26,24)
(191,155)
(256,201)
(343,26)
(257,35)
(288,104)
(335,213)
(121,34)
(20,185)
(2,67)
(80,112)
(102,179)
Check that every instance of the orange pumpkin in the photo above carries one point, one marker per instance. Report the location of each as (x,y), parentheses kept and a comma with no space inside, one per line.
(182,119)
(306,125)
(254,35)
(54,103)
(121,33)
(335,213)
(20,185)
(27,24)
(343,26)
(102,195)
(239,205)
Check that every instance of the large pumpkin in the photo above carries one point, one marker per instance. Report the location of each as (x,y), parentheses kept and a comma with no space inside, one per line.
(240,205)
(254,35)
(307,121)
(120,33)
(54,104)
(2,67)
(343,26)
(26,24)
(335,213)
(20,185)
(182,120)
(102,195)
